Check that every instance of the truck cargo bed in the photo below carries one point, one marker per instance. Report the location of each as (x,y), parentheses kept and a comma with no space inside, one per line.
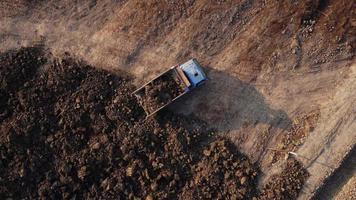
(161,91)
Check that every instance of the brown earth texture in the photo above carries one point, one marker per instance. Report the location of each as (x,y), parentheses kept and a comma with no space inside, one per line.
(69,130)
(161,91)
(274,120)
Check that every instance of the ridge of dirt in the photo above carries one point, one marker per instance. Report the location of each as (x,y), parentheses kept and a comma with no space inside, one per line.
(295,137)
(70,131)
(348,191)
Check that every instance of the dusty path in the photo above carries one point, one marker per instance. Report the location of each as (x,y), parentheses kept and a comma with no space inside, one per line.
(275,68)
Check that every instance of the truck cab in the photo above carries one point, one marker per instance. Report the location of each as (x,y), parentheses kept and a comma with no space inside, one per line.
(193,72)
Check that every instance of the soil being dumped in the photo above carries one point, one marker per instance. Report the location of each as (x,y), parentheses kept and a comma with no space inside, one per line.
(161,91)
(70,131)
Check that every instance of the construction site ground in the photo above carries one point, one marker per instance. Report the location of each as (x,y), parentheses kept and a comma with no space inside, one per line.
(281,74)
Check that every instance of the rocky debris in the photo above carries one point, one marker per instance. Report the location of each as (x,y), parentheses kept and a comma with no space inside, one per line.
(70,131)
(228,172)
(286,185)
(302,126)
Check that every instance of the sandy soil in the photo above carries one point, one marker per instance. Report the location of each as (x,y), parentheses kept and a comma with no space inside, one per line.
(348,192)
(341,184)
(270,64)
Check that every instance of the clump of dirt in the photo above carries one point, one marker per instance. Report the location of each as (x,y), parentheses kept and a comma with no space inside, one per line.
(223,168)
(17,67)
(71,131)
(161,91)
(286,185)
(301,127)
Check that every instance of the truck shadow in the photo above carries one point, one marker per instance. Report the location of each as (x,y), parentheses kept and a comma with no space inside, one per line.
(227,103)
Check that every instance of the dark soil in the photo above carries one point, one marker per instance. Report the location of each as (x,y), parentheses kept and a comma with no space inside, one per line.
(70,131)
(221,167)
(161,91)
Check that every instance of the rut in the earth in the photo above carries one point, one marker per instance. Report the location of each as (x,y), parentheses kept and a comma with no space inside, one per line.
(68,130)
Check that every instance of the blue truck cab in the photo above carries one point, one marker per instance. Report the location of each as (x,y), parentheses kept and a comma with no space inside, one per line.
(194,72)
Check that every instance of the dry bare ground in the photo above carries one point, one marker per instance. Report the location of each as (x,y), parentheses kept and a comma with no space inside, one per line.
(282,74)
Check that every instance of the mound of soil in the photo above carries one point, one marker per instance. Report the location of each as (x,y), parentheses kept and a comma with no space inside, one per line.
(223,168)
(286,185)
(161,91)
(70,131)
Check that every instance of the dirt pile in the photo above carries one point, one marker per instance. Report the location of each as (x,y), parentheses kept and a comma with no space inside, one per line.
(301,127)
(223,168)
(69,130)
(286,185)
(16,70)
(161,91)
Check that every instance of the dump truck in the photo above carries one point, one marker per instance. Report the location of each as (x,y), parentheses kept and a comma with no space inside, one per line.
(169,86)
